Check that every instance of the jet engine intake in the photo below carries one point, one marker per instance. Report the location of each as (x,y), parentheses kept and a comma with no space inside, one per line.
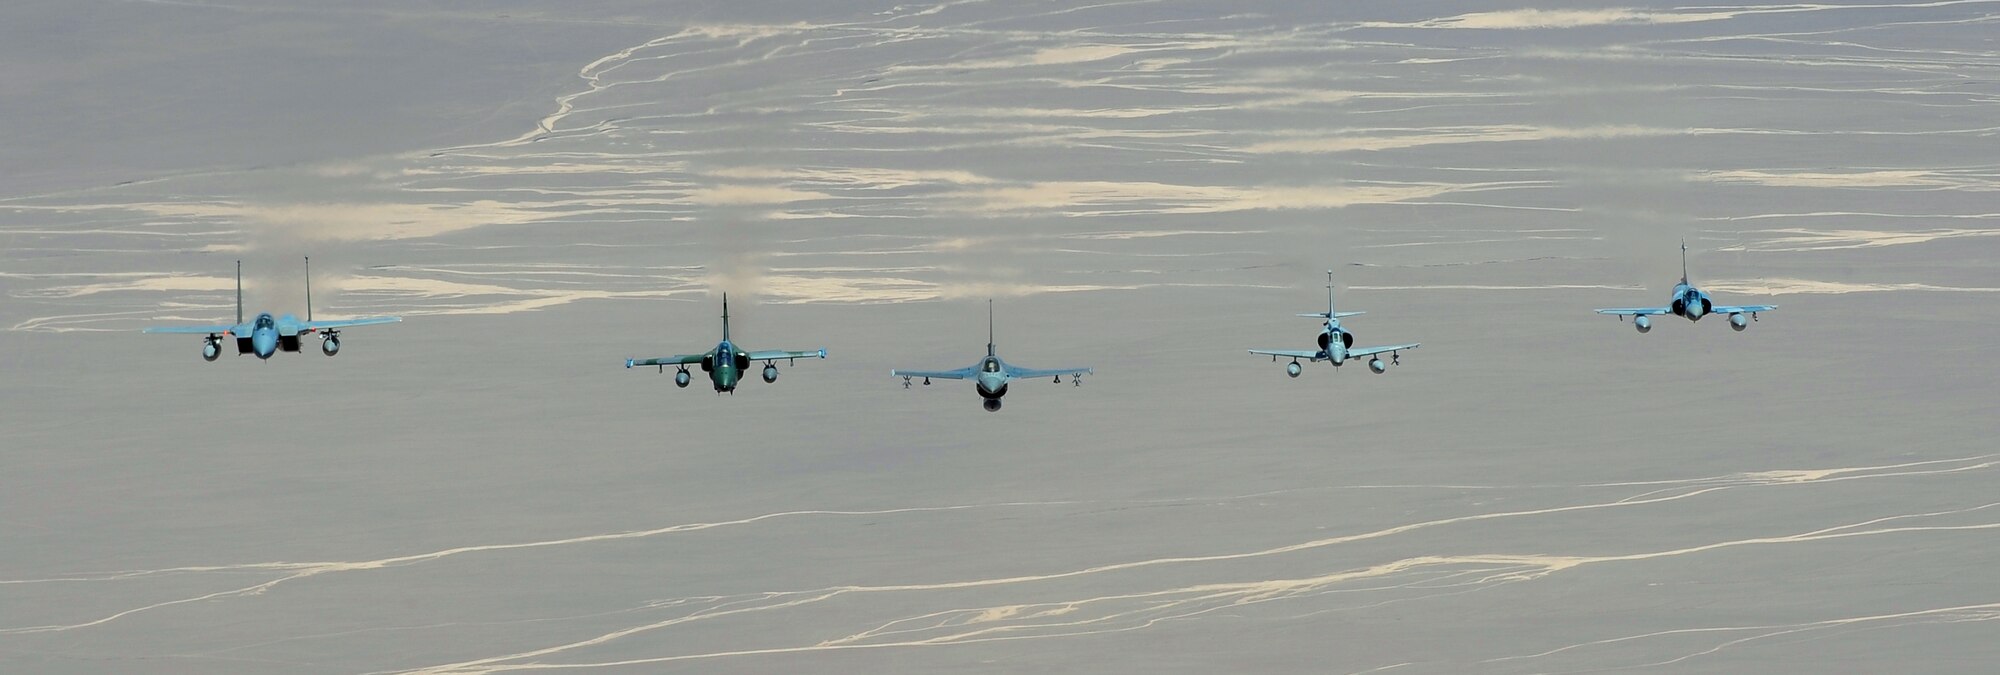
(288,343)
(991,395)
(708,363)
(1346,339)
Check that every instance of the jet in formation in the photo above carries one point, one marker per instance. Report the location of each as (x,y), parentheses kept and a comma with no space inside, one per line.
(1690,302)
(1336,345)
(266,334)
(991,374)
(726,363)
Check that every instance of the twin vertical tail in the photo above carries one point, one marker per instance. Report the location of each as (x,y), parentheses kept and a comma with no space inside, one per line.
(309,288)
(239,292)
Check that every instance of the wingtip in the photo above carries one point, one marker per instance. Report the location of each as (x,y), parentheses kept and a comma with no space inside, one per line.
(628,363)
(822,353)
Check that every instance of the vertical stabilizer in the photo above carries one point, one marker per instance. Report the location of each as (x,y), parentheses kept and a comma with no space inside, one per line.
(309,288)
(725,316)
(239,292)
(1329,295)
(989,327)
(1684,260)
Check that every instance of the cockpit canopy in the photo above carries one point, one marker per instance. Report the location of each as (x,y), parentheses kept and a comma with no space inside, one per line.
(265,321)
(991,366)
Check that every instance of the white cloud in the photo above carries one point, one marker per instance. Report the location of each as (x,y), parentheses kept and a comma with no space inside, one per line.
(1082,198)
(1349,142)
(732,195)
(1519,19)
(1911,178)
(1810,287)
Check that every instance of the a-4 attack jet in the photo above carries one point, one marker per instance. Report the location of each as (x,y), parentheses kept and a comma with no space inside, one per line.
(1336,345)
(726,363)
(1690,302)
(991,374)
(266,334)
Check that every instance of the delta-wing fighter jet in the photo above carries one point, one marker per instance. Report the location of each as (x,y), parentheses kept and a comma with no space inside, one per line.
(265,334)
(991,374)
(726,363)
(1336,345)
(1691,302)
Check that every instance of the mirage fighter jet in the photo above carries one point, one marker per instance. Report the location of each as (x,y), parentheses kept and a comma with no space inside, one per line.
(726,363)
(1689,302)
(266,334)
(1336,345)
(991,374)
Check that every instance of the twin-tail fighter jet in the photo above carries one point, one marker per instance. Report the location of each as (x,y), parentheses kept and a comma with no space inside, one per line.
(1336,345)
(266,334)
(991,374)
(1690,302)
(726,363)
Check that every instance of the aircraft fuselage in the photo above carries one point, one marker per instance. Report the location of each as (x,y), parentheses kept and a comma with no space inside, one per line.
(1689,301)
(723,371)
(1333,342)
(263,338)
(992,379)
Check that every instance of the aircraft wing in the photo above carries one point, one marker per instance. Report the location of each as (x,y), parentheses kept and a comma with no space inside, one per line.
(1636,311)
(1733,309)
(344,323)
(1336,315)
(1290,353)
(771,355)
(960,374)
(1371,351)
(681,360)
(203,330)
(1032,373)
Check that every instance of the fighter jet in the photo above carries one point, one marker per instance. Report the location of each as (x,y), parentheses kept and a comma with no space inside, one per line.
(1689,302)
(266,335)
(991,374)
(726,363)
(1336,345)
